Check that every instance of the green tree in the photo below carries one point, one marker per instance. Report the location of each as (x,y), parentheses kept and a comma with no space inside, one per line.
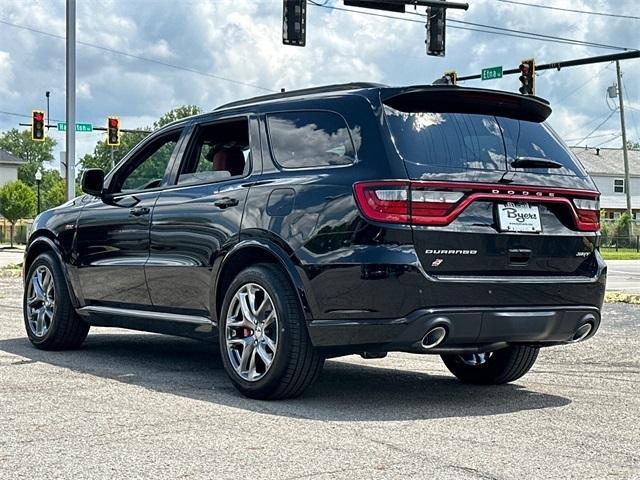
(17,201)
(623,228)
(52,190)
(101,156)
(176,114)
(37,154)
(631,145)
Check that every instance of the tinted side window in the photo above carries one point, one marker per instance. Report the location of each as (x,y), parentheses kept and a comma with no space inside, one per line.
(147,169)
(310,139)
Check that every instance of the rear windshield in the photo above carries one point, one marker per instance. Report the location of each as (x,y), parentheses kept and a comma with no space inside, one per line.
(465,141)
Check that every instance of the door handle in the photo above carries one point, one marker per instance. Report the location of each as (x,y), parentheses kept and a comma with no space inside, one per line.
(138,211)
(226,202)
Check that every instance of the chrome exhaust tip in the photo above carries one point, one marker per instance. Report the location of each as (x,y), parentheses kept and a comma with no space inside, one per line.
(434,337)
(582,332)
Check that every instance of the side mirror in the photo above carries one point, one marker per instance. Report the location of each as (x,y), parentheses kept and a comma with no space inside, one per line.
(93,181)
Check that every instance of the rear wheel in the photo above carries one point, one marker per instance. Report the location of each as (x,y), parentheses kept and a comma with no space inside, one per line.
(49,316)
(266,350)
(492,368)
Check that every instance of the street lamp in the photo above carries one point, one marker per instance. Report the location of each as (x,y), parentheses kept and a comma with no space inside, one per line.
(38,180)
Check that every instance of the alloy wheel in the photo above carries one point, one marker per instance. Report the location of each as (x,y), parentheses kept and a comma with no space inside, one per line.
(41,302)
(475,359)
(251,332)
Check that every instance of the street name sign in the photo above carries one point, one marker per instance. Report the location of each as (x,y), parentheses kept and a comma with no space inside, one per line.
(80,127)
(491,73)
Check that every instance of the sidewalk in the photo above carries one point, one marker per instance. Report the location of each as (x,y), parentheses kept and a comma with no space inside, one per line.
(9,257)
(623,276)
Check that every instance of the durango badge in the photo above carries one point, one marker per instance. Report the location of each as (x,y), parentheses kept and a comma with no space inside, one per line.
(451,252)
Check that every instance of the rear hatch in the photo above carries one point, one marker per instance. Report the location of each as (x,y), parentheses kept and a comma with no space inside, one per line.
(493,191)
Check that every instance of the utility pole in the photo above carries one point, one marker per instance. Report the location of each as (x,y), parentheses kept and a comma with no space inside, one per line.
(71,99)
(625,153)
(47,94)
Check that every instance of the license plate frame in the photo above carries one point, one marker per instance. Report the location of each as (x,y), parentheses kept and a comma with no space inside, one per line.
(518,217)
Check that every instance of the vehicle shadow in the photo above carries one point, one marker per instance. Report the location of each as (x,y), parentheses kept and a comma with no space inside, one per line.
(344,392)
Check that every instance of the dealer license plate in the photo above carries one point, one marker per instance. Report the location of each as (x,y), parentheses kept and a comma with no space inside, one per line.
(519,217)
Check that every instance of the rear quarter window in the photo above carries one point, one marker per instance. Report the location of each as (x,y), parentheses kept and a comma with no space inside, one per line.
(310,139)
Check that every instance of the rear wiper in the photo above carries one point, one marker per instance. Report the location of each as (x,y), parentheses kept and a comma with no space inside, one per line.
(534,162)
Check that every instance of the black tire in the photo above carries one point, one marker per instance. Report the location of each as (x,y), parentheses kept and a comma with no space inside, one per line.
(296,363)
(502,366)
(66,330)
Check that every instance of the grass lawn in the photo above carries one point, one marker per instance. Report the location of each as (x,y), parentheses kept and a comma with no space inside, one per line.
(621,254)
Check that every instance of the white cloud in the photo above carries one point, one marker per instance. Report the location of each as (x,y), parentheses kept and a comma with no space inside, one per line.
(241,40)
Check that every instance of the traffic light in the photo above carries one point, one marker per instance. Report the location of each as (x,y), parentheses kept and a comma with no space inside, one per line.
(37,125)
(113,131)
(294,22)
(451,77)
(436,26)
(528,77)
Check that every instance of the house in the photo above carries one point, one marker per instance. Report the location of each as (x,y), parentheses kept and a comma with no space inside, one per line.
(606,167)
(9,165)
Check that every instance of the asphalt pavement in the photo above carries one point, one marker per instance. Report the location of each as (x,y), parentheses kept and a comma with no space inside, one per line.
(133,405)
(623,276)
(10,257)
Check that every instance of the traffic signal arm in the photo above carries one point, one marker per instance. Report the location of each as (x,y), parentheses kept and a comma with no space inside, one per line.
(566,63)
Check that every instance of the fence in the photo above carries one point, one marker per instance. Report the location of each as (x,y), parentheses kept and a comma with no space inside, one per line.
(621,243)
(19,232)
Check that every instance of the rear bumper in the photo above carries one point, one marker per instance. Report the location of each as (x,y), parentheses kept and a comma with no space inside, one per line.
(468,329)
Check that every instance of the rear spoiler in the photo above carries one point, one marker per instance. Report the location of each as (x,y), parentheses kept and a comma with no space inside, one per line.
(453,99)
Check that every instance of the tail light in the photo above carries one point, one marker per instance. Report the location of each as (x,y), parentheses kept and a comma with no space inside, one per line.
(384,202)
(588,213)
(439,203)
(432,207)
(405,202)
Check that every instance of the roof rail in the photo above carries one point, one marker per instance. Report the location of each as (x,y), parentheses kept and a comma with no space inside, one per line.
(301,92)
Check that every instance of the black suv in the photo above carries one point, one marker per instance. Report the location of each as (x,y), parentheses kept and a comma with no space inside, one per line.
(349,219)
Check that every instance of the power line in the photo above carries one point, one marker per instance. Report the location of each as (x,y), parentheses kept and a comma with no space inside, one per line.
(592,136)
(139,57)
(615,137)
(596,129)
(495,31)
(528,34)
(576,90)
(570,10)
(14,114)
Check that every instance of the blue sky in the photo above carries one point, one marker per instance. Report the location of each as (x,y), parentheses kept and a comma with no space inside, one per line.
(241,40)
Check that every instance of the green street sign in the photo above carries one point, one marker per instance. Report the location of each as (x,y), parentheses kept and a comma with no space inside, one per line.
(80,127)
(491,73)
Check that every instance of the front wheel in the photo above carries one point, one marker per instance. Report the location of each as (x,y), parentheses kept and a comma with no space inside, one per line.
(265,346)
(49,316)
(492,368)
